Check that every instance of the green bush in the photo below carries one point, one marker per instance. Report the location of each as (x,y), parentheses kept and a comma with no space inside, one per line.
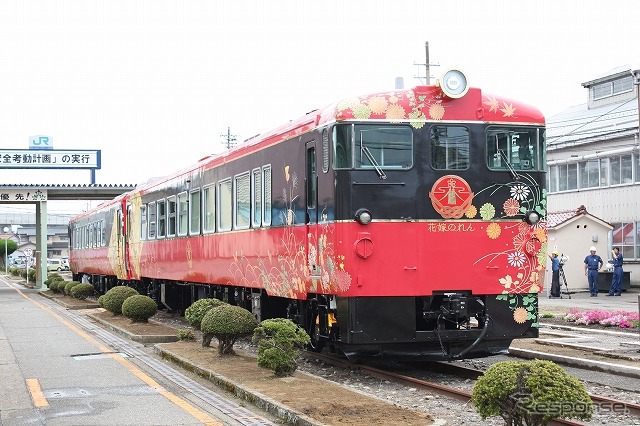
(279,343)
(52,285)
(32,275)
(530,393)
(82,291)
(185,334)
(114,298)
(101,300)
(68,286)
(195,312)
(57,285)
(53,275)
(139,308)
(227,323)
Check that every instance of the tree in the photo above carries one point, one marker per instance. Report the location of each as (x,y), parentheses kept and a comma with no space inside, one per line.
(530,393)
(11,247)
(227,323)
(279,344)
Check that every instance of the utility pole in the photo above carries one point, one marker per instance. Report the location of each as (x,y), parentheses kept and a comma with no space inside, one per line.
(230,140)
(427,66)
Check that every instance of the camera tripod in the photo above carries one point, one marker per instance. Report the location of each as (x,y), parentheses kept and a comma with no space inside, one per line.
(562,279)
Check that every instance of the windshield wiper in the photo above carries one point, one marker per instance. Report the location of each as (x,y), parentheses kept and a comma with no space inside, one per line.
(515,175)
(373,161)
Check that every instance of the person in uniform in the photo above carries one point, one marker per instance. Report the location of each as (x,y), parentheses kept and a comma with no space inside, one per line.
(616,280)
(592,264)
(555,274)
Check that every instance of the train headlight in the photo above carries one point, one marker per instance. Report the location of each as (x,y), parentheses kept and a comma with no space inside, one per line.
(531,217)
(363,216)
(454,84)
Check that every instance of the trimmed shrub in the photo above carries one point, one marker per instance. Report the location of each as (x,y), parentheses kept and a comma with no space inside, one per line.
(113,299)
(185,334)
(530,393)
(82,291)
(139,308)
(101,300)
(32,275)
(53,285)
(279,343)
(57,285)
(68,286)
(195,312)
(227,323)
(53,275)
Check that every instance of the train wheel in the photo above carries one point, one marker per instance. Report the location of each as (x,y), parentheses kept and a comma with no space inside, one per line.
(313,327)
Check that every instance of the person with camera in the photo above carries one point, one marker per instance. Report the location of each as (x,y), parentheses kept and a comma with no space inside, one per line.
(616,279)
(555,275)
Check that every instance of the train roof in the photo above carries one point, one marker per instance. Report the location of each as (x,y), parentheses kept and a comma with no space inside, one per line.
(416,106)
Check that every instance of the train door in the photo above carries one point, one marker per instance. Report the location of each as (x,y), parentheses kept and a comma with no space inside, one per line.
(120,244)
(311,194)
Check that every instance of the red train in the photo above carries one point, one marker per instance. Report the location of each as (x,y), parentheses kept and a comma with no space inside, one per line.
(408,223)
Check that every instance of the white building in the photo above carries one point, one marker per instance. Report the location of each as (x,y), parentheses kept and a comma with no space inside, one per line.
(593,161)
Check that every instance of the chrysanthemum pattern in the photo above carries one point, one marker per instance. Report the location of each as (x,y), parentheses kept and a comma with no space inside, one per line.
(527,254)
(400,105)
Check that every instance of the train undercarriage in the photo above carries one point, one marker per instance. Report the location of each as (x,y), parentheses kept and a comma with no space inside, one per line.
(442,326)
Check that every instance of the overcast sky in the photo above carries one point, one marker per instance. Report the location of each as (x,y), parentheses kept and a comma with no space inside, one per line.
(154,84)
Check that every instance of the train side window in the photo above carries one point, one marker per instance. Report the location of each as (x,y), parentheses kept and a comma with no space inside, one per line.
(171,216)
(266,181)
(143,223)
(342,143)
(209,209)
(256,198)
(183,214)
(224,205)
(194,212)
(449,147)
(151,211)
(325,151)
(242,205)
(161,207)
(104,234)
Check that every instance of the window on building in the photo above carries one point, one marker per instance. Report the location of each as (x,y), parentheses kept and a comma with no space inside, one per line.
(209,209)
(183,214)
(621,169)
(589,174)
(626,236)
(449,147)
(242,202)
(611,88)
(225,206)
(194,212)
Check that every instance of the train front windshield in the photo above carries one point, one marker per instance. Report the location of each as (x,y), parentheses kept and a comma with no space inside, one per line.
(517,148)
(372,147)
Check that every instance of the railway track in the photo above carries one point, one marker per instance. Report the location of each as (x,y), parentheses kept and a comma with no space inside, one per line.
(602,403)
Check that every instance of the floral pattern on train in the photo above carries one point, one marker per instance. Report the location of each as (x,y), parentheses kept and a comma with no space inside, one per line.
(301,257)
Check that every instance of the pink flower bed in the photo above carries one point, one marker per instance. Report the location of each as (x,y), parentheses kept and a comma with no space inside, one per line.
(622,319)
